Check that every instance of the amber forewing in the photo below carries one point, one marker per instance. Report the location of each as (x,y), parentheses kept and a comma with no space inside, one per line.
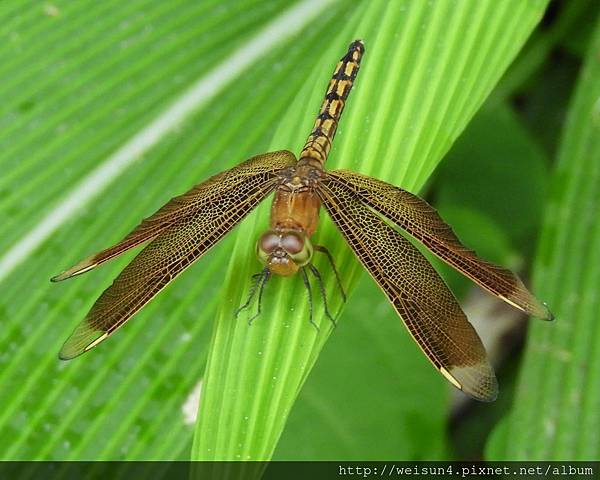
(418,294)
(178,208)
(189,226)
(421,221)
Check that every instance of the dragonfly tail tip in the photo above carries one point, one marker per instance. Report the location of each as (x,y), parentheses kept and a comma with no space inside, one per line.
(357,44)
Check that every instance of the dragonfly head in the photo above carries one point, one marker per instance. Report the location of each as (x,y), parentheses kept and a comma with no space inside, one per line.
(284,251)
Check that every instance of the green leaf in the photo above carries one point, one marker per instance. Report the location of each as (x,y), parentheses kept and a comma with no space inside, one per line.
(364,398)
(555,412)
(80,79)
(497,147)
(427,68)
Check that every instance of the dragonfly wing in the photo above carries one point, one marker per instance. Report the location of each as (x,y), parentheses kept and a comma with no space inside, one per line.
(179,208)
(422,221)
(175,248)
(418,294)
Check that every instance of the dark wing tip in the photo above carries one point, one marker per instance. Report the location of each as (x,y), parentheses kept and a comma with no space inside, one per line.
(82,267)
(61,276)
(491,397)
(490,392)
(64,356)
(537,309)
(68,353)
(83,339)
(477,381)
(549,316)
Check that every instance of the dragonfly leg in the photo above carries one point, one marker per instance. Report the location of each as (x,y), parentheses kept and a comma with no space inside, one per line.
(319,248)
(317,275)
(259,280)
(266,274)
(310,299)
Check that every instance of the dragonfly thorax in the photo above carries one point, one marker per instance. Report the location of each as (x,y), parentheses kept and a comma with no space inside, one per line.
(284,251)
(302,177)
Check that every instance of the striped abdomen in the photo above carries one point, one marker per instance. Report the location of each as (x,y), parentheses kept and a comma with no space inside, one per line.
(319,141)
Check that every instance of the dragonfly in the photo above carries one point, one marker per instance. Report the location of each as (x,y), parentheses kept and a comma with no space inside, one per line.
(368,213)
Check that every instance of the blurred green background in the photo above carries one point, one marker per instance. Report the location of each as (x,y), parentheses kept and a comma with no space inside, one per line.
(505,96)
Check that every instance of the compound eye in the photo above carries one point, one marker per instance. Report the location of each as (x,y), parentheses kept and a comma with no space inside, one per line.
(268,242)
(292,243)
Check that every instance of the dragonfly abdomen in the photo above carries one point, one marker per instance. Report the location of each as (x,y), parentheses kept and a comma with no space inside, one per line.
(318,145)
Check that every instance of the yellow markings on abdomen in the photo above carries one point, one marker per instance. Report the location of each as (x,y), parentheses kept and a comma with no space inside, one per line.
(319,142)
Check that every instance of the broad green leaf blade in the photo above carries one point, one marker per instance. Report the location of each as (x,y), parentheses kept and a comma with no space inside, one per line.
(426,70)
(129,398)
(498,147)
(364,397)
(555,415)
(67,112)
